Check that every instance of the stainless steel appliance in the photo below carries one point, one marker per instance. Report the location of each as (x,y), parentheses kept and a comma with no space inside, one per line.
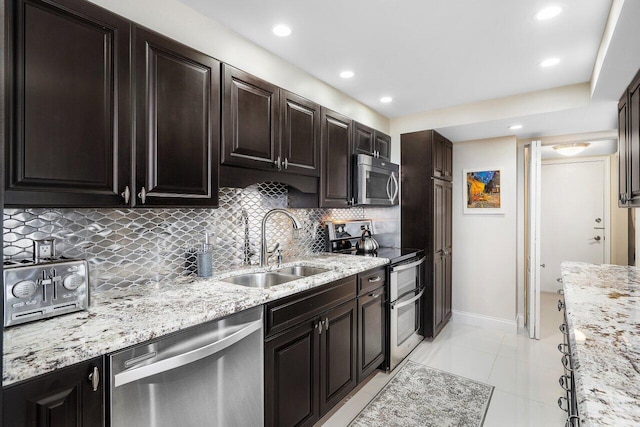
(405,308)
(406,288)
(376,181)
(48,287)
(208,375)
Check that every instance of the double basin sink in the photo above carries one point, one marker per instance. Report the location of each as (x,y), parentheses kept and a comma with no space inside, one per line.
(272,278)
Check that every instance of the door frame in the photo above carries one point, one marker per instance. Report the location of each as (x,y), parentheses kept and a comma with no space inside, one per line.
(607,194)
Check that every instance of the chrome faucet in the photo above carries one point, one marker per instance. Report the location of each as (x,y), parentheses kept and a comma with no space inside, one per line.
(297,226)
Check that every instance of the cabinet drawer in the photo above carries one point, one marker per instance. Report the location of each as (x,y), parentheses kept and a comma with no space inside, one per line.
(372,279)
(290,311)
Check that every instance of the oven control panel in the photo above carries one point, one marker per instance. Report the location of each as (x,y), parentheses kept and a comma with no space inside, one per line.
(35,291)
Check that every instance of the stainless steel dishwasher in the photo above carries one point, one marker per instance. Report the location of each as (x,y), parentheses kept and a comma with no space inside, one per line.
(208,375)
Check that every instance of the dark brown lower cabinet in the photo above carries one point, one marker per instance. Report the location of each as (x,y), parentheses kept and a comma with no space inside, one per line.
(338,355)
(311,367)
(292,371)
(371,332)
(64,398)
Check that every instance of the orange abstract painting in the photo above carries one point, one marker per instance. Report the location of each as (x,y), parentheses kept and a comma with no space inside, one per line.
(483,190)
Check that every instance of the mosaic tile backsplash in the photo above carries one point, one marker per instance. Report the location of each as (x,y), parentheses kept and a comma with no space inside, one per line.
(126,247)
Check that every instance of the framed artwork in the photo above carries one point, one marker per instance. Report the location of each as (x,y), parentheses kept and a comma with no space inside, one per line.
(483,193)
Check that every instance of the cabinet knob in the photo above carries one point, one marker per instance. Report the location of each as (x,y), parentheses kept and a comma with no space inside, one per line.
(94,378)
(319,327)
(326,324)
(278,163)
(143,195)
(126,194)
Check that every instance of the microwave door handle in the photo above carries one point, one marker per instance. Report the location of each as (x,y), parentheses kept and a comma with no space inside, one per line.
(389,181)
(397,187)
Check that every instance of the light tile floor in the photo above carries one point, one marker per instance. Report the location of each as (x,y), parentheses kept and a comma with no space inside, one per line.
(524,372)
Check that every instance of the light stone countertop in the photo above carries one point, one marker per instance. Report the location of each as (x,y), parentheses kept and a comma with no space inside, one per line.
(120,318)
(603,316)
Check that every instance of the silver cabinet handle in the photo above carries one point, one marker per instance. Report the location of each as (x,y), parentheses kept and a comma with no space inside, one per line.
(143,195)
(374,295)
(326,324)
(174,362)
(126,194)
(278,163)
(286,163)
(94,378)
(408,266)
(319,327)
(406,303)
(374,279)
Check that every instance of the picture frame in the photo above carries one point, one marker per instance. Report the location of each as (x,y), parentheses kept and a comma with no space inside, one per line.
(482,191)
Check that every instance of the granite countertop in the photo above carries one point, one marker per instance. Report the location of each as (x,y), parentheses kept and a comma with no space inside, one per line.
(603,316)
(120,318)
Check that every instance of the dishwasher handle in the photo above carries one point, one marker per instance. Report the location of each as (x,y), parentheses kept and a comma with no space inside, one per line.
(174,362)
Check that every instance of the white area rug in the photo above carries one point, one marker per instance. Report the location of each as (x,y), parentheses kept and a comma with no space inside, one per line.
(422,396)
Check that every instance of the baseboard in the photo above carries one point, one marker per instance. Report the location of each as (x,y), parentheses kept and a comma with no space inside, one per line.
(487,322)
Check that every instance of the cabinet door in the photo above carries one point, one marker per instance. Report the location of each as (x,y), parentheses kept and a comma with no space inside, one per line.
(337,355)
(448,247)
(335,180)
(292,369)
(363,139)
(177,130)
(383,145)
(64,398)
(448,161)
(623,147)
(371,332)
(439,154)
(68,74)
(300,134)
(439,253)
(633,162)
(250,120)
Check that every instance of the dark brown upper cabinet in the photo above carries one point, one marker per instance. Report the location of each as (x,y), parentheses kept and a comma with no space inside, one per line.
(335,179)
(299,135)
(69,105)
(178,123)
(250,120)
(442,157)
(629,145)
(370,141)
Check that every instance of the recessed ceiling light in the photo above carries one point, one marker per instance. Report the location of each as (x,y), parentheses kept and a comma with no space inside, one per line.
(548,13)
(515,127)
(347,74)
(386,99)
(282,30)
(550,62)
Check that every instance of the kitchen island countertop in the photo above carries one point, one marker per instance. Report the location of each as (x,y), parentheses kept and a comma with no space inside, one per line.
(603,317)
(120,318)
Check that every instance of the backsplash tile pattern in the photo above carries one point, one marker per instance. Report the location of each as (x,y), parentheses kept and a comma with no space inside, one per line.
(128,247)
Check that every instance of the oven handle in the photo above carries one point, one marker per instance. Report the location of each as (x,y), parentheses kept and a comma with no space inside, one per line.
(408,266)
(174,362)
(395,305)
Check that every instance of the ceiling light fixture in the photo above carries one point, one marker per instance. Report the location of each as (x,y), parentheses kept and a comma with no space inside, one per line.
(550,62)
(347,74)
(571,149)
(548,13)
(386,99)
(515,127)
(282,30)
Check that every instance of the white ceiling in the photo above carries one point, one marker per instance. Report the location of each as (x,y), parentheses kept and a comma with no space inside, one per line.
(425,54)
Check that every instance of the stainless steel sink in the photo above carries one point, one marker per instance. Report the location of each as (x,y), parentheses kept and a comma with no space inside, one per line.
(261,280)
(302,270)
(273,278)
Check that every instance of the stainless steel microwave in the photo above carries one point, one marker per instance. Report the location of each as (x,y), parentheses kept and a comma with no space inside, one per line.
(375,181)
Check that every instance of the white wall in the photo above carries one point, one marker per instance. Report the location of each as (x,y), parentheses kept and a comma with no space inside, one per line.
(484,246)
(179,22)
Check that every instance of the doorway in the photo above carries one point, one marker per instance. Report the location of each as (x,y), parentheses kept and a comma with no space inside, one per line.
(574,221)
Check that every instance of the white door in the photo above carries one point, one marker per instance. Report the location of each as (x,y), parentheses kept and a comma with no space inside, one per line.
(533,238)
(574,215)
